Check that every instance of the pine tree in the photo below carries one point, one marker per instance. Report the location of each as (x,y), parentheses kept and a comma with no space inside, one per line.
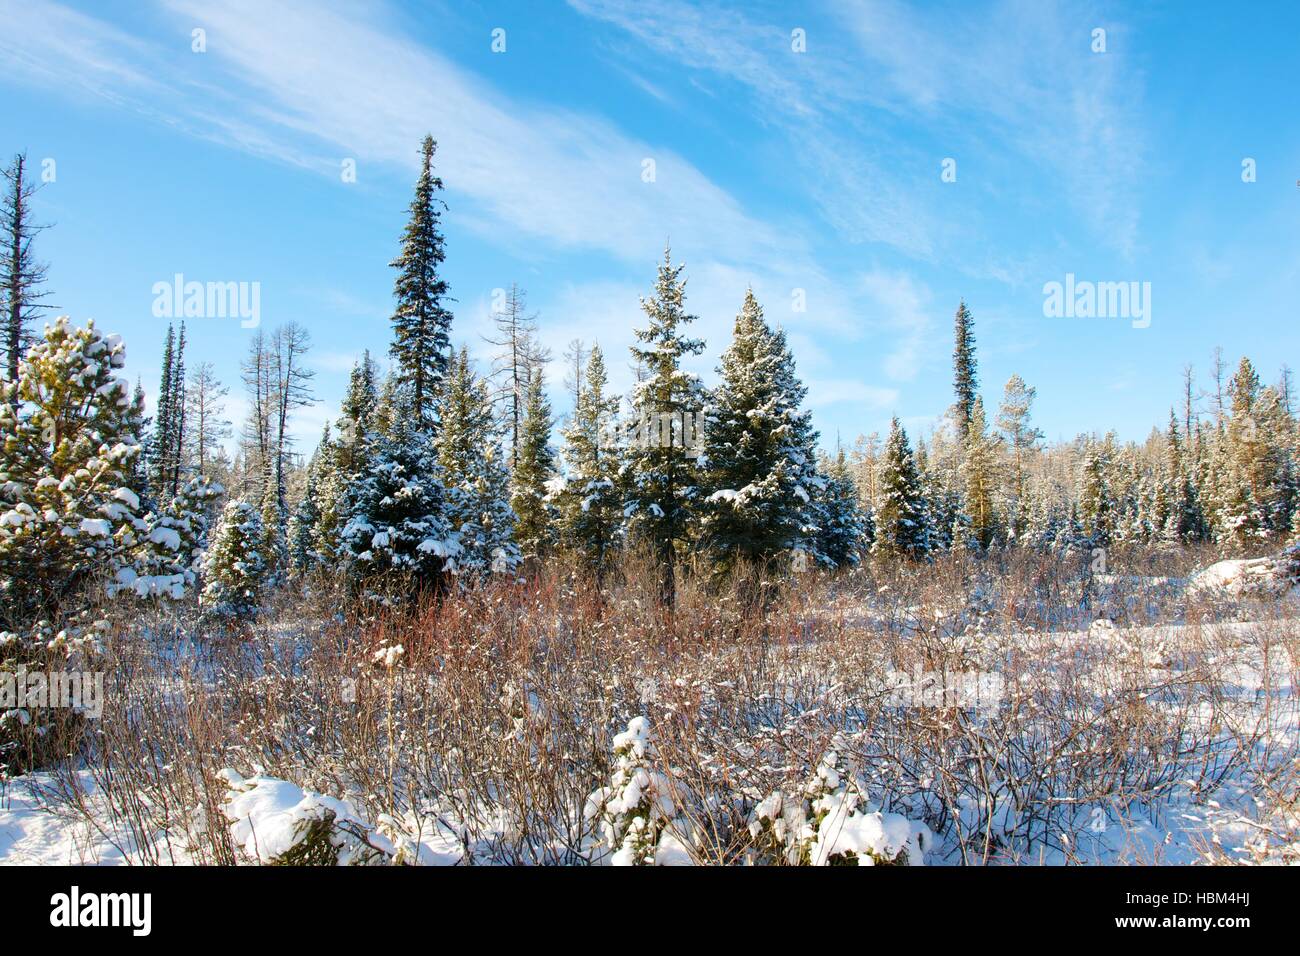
(979,470)
(965,381)
(345,459)
(900,518)
(21,276)
(1097,505)
(590,507)
(534,473)
(759,447)
(304,526)
(163,424)
(167,560)
(477,480)
(67,512)
(421,321)
(660,466)
(234,570)
(846,530)
(1022,439)
(397,534)
(177,438)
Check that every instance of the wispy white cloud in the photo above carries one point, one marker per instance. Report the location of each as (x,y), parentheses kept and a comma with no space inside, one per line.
(1020,71)
(44,43)
(807,95)
(567,177)
(899,303)
(832,391)
(314,83)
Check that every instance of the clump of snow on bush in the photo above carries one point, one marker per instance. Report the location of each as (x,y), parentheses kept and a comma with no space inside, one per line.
(636,814)
(829,823)
(276,822)
(1257,577)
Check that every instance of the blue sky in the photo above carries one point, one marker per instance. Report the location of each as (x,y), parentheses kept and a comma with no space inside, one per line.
(817,171)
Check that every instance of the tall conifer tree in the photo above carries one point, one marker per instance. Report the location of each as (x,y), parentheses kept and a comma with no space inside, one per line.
(965,379)
(900,518)
(590,510)
(666,405)
(422,321)
(534,472)
(476,474)
(760,451)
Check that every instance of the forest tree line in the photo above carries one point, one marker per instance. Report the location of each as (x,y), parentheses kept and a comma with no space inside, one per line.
(439,475)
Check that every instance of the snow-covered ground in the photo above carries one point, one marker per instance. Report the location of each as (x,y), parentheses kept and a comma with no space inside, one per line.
(39,826)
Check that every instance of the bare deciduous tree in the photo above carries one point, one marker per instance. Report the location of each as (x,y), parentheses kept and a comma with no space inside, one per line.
(204,408)
(520,353)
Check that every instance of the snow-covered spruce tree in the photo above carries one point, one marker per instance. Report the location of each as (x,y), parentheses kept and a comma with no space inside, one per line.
(660,469)
(137,475)
(1183,519)
(939,471)
(534,473)
(979,471)
(589,505)
(1259,481)
(397,534)
(760,466)
(66,511)
(167,559)
(421,320)
(176,451)
(900,519)
(160,440)
(166,445)
(477,479)
(305,521)
(1046,514)
(344,459)
(965,378)
(1097,505)
(846,530)
(275,549)
(235,571)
